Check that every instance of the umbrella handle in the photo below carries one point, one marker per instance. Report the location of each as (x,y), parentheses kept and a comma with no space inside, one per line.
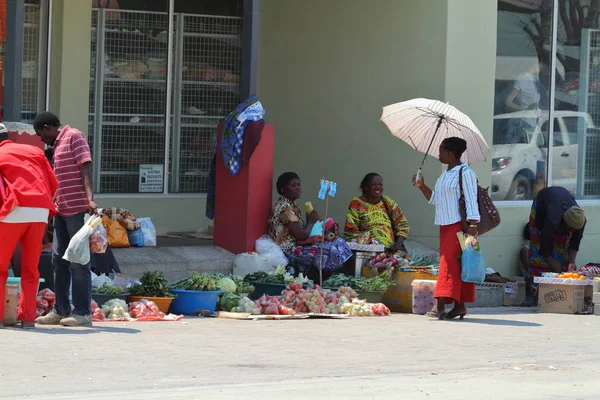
(417,176)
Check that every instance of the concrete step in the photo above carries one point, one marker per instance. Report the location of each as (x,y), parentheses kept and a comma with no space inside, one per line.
(177,262)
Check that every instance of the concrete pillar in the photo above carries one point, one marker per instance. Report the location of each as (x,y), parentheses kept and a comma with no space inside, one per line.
(70,62)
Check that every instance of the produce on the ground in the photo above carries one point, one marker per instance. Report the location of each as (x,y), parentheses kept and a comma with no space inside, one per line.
(380,309)
(45,302)
(107,288)
(145,308)
(378,283)
(199,282)
(227,301)
(152,284)
(357,307)
(278,276)
(227,285)
(572,275)
(115,309)
(248,306)
(242,287)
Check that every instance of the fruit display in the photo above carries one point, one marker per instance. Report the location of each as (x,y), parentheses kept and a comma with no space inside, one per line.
(572,275)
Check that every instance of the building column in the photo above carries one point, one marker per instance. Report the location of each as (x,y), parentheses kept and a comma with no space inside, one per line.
(70,62)
(471,66)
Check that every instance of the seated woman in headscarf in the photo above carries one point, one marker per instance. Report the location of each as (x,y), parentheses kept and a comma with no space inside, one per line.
(299,240)
(375,218)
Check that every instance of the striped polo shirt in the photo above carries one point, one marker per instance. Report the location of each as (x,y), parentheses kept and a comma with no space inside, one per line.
(71,151)
(447,193)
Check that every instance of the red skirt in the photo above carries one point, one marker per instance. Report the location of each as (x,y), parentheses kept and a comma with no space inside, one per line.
(449,283)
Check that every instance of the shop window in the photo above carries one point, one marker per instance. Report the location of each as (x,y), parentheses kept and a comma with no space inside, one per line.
(33,43)
(129,129)
(524,61)
(519,145)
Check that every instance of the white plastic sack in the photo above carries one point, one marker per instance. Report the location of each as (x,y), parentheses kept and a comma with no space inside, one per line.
(267,248)
(78,251)
(249,263)
(148,230)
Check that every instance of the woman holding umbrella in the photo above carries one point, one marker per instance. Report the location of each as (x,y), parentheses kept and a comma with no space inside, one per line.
(445,197)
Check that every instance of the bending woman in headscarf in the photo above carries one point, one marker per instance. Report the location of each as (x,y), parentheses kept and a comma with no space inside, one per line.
(293,235)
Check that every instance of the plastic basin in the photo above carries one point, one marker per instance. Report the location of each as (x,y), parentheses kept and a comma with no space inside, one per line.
(163,303)
(188,301)
(270,289)
(101,298)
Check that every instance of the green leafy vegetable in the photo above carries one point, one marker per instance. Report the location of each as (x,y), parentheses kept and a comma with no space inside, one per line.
(152,284)
(107,288)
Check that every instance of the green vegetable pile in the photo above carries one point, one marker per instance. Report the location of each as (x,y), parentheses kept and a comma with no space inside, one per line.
(422,259)
(278,276)
(152,284)
(379,283)
(227,301)
(107,288)
(199,282)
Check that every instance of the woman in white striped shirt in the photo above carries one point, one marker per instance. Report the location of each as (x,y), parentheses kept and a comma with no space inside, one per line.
(445,197)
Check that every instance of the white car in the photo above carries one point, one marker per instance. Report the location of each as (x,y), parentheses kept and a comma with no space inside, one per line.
(520,142)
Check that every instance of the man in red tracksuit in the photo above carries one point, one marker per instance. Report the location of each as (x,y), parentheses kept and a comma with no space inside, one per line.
(25,205)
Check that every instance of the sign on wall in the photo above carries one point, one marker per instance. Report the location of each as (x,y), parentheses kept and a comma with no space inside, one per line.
(151,178)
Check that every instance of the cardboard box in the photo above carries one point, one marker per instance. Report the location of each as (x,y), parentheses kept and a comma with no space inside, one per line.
(561,299)
(12,303)
(514,294)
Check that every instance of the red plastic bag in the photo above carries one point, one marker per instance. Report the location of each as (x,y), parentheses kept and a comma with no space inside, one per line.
(272,309)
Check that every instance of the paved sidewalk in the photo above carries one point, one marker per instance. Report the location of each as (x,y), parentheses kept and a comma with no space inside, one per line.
(492,354)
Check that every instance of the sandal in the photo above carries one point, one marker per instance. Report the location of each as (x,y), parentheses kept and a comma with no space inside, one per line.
(432,314)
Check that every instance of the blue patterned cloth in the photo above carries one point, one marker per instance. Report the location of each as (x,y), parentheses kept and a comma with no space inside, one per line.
(232,138)
(335,254)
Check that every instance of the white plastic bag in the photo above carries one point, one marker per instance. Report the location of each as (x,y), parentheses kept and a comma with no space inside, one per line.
(78,251)
(249,263)
(148,230)
(267,248)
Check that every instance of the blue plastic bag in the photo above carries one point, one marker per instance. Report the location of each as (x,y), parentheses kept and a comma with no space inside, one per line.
(136,238)
(473,266)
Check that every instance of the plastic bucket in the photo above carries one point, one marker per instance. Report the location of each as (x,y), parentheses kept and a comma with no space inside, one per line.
(100,298)
(163,303)
(188,301)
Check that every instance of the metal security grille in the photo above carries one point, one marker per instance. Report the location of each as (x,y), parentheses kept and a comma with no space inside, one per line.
(31,47)
(130,109)
(128,100)
(207,74)
(590,102)
(92,98)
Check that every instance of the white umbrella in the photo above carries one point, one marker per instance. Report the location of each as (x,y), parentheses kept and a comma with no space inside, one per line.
(423,124)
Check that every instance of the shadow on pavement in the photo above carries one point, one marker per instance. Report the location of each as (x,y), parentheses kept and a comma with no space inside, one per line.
(498,322)
(78,331)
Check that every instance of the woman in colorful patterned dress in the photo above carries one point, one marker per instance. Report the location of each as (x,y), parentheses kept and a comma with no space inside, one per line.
(374,217)
(290,233)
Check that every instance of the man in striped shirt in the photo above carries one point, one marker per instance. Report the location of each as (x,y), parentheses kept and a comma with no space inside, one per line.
(74,199)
